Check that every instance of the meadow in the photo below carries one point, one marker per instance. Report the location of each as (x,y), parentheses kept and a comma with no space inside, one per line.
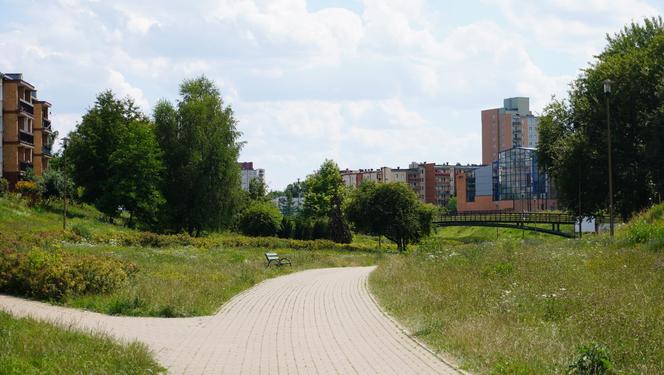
(530,306)
(175,275)
(496,301)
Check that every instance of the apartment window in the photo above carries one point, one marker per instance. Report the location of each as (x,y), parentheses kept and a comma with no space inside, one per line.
(25,155)
(25,125)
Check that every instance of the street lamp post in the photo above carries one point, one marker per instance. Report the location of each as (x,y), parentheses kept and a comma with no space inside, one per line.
(607,93)
(65,142)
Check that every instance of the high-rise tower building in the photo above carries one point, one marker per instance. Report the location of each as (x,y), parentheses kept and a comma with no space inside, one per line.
(513,125)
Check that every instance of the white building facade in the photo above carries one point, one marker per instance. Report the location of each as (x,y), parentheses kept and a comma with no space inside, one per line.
(248,173)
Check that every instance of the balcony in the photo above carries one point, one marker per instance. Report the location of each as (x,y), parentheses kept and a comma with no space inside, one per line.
(24,165)
(26,107)
(26,138)
(46,125)
(46,151)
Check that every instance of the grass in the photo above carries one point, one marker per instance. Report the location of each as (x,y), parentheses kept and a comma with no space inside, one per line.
(178,276)
(466,235)
(496,301)
(30,347)
(526,306)
(179,281)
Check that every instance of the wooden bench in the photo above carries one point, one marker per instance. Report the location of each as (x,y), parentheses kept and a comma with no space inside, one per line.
(279,261)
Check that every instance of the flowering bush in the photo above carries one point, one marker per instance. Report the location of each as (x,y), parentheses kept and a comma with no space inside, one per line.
(27,188)
(55,275)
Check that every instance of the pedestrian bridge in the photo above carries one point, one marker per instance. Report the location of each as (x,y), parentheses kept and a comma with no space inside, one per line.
(533,221)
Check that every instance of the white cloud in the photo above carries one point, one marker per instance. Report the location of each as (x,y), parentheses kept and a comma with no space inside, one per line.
(137,23)
(382,85)
(119,85)
(573,27)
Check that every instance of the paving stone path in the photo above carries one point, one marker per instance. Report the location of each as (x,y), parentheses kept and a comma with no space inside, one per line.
(321,321)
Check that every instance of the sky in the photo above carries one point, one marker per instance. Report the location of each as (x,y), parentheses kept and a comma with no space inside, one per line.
(366,83)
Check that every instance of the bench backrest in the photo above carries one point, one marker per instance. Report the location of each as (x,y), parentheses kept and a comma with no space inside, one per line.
(271,256)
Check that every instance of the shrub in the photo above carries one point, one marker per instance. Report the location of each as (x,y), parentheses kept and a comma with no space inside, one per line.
(303,230)
(81,231)
(4,186)
(592,360)
(320,230)
(287,229)
(53,184)
(260,219)
(27,188)
(54,275)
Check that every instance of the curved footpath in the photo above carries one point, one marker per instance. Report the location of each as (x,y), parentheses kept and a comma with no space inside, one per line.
(312,322)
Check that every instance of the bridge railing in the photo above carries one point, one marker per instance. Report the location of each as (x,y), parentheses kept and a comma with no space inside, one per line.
(510,217)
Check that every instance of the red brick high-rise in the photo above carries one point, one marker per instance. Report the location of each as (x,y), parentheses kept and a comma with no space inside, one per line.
(513,125)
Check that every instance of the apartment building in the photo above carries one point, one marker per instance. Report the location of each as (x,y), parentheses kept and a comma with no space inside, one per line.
(27,136)
(248,173)
(432,183)
(511,126)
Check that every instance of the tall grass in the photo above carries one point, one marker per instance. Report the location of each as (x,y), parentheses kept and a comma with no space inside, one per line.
(645,229)
(178,275)
(527,306)
(30,347)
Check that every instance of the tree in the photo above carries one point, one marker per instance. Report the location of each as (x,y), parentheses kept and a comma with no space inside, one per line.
(200,143)
(323,202)
(391,210)
(573,133)
(321,187)
(339,230)
(138,159)
(257,189)
(452,206)
(115,159)
(296,189)
(53,183)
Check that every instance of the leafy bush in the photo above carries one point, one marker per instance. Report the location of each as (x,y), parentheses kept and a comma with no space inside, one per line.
(54,275)
(53,184)
(303,229)
(287,229)
(321,229)
(260,219)
(4,186)
(81,230)
(592,360)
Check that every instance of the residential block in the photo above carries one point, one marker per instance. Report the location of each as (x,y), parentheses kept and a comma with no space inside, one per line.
(27,136)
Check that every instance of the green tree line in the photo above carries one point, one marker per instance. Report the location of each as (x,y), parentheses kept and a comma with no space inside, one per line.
(574,134)
(175,172)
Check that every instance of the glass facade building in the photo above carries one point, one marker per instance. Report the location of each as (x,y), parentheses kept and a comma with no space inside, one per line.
(516,175)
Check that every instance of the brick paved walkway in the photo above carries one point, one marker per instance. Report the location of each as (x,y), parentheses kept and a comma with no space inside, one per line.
(312,322)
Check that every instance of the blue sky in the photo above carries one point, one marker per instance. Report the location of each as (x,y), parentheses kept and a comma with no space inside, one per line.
(367,83)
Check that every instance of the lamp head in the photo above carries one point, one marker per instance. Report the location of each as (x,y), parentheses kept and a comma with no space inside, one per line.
(607,86)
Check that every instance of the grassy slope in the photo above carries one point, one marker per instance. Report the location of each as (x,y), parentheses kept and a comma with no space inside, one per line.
(30,347)
(513,306)
(174,280)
